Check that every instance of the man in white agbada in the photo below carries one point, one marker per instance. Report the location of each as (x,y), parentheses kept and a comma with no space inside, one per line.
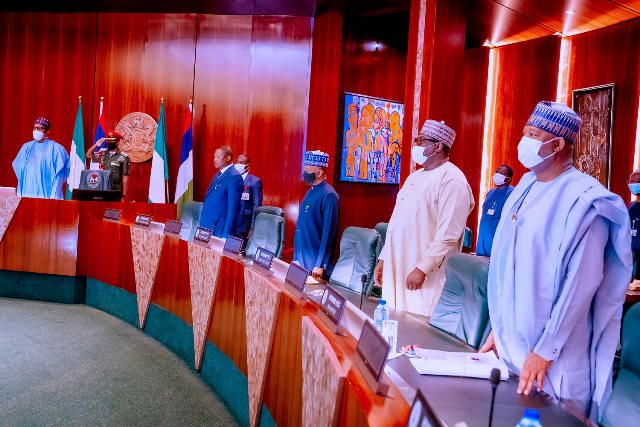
(560,266)
(427,225)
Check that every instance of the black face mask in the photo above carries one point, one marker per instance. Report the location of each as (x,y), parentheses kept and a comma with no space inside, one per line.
(112,145)
(308,177)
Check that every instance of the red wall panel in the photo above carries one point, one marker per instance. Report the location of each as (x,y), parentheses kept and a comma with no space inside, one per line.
(468,147)
(141,58)
(47,62)
(612,55)
(527,74)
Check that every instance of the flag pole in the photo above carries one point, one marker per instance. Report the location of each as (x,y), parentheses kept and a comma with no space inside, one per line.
(166,182)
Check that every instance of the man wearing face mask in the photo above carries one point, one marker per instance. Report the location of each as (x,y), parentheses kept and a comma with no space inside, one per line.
(426,226)
(317,218)
(112,160)
(560,266)
(634,217)
(492,209)
(222,201)
(251,196)
(42,165)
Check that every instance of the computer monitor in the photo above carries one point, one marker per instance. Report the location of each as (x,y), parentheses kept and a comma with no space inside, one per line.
(233,246)
(373,349)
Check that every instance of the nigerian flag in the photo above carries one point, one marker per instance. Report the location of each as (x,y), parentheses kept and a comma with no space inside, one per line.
(159,165)
(77,157)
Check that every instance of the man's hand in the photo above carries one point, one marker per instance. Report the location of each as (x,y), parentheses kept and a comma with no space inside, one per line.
(489,345)
(99,142)
(415,279)
(534,369)
(377,273)
(317,273)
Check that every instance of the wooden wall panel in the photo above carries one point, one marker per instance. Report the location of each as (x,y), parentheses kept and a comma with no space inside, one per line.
(325,97)
(361,70)
(42,238)
(92,212)
(612,55)
(283,385)
(172,290)
(468,147)
(221,92)
(48,61)
(527,74)
(227,329)
(141,58)
(279,93)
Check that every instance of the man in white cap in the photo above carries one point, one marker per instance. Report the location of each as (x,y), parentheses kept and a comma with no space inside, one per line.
(427,224)
(560,266)
(317,218)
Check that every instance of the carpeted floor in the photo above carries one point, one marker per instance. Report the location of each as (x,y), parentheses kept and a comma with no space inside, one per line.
(74,365)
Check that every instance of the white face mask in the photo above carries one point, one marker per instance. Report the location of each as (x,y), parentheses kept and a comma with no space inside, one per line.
(417,154)
(528,149)
(38,135)
(239,167)
(499,179)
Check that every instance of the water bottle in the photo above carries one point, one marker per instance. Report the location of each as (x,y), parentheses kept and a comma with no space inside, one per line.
(380,314)
(531,418)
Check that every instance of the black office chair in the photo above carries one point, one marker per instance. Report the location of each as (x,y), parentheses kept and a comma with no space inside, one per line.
(463,309)
(357,257)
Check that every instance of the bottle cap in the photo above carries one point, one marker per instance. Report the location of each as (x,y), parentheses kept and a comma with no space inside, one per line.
(383,302)
(532,413)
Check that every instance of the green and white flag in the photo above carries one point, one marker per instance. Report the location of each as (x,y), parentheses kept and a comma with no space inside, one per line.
(159,166)
(77,158)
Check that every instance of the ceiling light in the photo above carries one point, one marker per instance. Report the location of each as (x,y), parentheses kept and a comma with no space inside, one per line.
(570,12)
(487,43)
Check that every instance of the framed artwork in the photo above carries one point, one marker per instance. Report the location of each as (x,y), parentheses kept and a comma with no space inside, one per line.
(371,140)
(592,153)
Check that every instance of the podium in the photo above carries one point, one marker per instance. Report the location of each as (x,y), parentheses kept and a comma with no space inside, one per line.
(96,185)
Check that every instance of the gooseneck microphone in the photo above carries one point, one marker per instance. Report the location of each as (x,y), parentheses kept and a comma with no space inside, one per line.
(495,380)
(363,279)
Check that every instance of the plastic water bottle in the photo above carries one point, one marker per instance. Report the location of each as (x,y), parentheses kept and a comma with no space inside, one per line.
(380,314)
(531,418)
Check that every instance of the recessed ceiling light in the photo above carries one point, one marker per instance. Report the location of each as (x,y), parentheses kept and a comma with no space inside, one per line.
(570,12)
(487,43)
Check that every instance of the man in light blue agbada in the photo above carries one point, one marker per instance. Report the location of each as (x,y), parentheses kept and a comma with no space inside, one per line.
(560,266)
(42,165)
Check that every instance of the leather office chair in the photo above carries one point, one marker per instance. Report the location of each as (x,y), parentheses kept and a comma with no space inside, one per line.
(267,230)
(463,309)
(381,228)
(623,408)
(189,216)
(467,241)
(357,257)
(273,210)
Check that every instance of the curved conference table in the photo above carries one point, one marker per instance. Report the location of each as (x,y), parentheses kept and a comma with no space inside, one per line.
(265,352)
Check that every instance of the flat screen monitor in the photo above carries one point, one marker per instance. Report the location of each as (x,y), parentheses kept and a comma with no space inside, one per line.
(297,276)
(373,349)
(233,245)
(422,415)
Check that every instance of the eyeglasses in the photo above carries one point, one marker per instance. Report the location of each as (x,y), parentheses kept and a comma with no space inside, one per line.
(421,140)
(40,128)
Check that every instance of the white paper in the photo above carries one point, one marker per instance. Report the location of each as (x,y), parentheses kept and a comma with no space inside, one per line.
(464,364)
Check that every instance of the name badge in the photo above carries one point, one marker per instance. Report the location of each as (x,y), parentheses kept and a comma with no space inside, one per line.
(245,196)
(491,211)
(634,232)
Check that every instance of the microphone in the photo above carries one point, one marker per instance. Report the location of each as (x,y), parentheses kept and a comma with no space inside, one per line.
(363,280)
(495,380)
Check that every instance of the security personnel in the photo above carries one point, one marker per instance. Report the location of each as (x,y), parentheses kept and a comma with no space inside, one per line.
(251,197)
(112,159)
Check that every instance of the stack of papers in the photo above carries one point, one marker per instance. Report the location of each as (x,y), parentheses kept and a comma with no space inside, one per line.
(475,365)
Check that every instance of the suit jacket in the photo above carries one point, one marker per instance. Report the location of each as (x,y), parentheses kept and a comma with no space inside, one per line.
(222,203)
(253,187)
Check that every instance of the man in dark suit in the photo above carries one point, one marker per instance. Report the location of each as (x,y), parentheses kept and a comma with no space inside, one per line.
(222,201)
(251,196)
